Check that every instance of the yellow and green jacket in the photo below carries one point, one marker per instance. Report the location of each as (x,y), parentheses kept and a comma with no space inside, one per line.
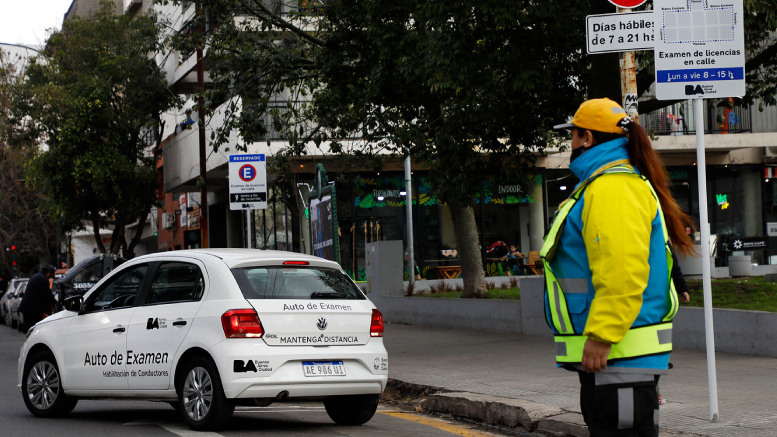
(608,266)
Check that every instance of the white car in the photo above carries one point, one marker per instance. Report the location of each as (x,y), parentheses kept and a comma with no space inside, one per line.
(210,329)
(7,300)
(12,310)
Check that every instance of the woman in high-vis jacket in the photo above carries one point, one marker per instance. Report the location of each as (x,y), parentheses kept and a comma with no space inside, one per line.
(609,295)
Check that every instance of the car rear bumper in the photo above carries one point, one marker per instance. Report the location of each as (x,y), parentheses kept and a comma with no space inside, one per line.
(251,369)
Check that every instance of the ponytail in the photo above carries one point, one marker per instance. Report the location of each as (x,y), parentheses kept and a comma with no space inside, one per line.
(649,164)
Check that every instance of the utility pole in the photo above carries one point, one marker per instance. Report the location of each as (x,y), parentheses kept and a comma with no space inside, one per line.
(203,182)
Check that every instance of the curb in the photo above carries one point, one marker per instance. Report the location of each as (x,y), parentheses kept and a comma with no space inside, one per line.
(496,411)
(510,413)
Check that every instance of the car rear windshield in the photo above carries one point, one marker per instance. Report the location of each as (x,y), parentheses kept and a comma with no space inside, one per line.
(295,283)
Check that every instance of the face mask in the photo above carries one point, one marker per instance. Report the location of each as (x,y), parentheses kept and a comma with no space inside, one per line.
(577,152)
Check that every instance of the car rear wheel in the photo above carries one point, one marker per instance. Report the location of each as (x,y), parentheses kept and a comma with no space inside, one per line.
(201,399)
(351,410)
(42,388)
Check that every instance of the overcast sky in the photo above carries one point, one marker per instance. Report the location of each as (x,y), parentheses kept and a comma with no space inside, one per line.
(25,21)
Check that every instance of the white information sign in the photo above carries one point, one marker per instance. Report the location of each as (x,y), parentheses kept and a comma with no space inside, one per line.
(701,49)
(247,182)
(625,32)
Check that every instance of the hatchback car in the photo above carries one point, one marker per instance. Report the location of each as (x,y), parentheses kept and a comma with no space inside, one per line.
(12,312)
(210,329)
(7,299)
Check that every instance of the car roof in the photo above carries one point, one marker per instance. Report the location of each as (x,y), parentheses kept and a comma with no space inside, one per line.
(241,257)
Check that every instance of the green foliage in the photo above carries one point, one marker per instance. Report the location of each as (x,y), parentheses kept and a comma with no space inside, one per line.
(90,97)
(742,294)
(445,81)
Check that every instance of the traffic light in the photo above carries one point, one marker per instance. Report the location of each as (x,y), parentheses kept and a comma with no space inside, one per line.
(13,259)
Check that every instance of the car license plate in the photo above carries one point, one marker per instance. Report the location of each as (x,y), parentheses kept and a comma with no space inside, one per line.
(323,368)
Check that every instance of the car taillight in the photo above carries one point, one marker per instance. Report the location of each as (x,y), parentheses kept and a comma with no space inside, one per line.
(376,326)
(242,324)
(296,263)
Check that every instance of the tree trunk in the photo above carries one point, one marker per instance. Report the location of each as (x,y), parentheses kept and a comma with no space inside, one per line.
(130,252)
(467,244)
(96,229)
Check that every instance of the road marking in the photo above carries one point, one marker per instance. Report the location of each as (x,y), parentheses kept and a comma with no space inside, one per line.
(175,428)
(436,423)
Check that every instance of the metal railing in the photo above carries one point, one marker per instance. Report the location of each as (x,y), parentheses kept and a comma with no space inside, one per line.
(677,119)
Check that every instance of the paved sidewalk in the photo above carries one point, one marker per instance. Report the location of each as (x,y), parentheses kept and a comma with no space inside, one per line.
(522,367)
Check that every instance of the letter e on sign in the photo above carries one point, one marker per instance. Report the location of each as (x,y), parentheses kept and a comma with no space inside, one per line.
(247,172)
(628,4)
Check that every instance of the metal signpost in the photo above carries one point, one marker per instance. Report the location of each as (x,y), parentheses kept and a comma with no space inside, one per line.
(247,186)
(324,228)
(700,53)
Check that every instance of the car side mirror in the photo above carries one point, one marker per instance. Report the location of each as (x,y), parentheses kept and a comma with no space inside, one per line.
(73,303)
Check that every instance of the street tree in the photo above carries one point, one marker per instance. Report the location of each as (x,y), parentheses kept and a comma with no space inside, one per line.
(94,98)
(24,221)
(469,89)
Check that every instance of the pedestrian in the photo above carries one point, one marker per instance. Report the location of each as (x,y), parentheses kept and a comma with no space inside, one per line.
(607,262)
(38,300)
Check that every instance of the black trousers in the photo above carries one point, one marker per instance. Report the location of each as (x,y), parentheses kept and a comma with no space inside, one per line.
(32,318)
(622,405)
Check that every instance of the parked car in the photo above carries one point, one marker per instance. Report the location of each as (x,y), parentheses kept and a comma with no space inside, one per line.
(5,301)
(12,316)
(208,330)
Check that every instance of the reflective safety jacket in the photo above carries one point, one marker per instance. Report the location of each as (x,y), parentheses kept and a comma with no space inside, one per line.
(607,266)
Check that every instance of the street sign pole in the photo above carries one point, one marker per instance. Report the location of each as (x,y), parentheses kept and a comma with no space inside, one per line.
(629,80)
(699,53)
(701,166)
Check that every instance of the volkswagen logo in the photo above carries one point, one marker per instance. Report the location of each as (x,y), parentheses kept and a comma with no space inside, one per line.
(321,323)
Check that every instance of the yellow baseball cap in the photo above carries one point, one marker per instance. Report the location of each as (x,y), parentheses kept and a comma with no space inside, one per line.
(601,115)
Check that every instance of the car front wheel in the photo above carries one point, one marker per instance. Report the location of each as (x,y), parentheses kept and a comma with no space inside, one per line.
(42,388)
(201,399)
(351,410)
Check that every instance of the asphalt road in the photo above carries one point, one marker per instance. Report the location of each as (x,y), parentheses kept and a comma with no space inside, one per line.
(150,419)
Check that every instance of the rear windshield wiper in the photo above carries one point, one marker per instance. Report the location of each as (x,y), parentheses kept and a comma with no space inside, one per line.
(328,295)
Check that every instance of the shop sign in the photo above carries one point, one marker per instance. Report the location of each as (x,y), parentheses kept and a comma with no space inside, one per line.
(771,229)
(748,243)
(194,219)
(381,192)
(182,205)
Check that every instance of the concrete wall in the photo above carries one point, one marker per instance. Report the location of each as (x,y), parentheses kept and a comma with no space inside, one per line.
(736,331)
(476,315)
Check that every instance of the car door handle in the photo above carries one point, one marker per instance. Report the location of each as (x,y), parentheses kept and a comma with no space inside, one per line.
(179,323)
(119,329)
